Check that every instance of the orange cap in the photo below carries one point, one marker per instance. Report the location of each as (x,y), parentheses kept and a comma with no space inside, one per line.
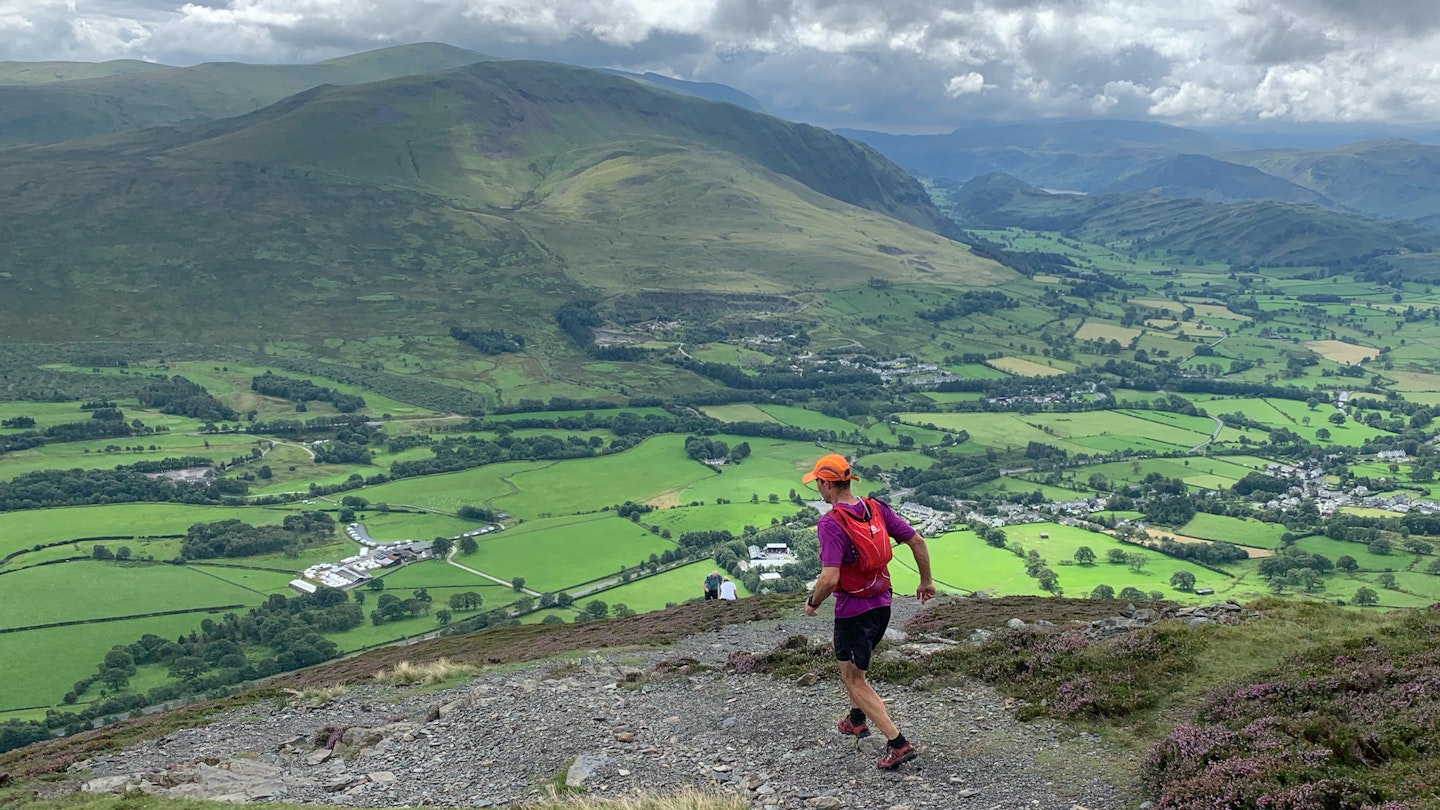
(833,467)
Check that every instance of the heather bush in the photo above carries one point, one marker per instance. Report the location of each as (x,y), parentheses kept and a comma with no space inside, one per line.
(1349,726)
(1069,676)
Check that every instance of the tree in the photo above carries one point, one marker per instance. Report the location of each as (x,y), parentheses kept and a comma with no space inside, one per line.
(1137,562)
(1131,593)
(1183,580)
(1379,546)
(468,545)
(1102,592)
(1366,596)
(597,609)
(1085,555)
(621,610)
(1387,581)
(376,584)
(441,546)
(467,600)
(443,617)
(122,553)
(1347,563)
(518,584)
(116,679)
(1336,418)
(1322,434)
(1117,556)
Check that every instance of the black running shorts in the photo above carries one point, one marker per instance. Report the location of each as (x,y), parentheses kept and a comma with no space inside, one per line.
(857,636)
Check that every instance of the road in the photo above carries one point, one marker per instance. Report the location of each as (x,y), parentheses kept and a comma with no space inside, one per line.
(450,558)
(1219,426)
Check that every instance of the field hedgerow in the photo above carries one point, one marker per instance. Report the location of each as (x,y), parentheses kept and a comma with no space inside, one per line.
(1353,726)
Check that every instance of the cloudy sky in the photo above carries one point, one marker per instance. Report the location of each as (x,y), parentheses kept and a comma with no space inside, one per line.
(902,65)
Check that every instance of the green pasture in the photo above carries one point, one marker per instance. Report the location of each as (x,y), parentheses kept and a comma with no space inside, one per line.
(889,433)
(441,579)
(27,528)
(554,554)
(738,412)
(38,666)
(599,413)
(774,467)
(676,586)
(450,491)
(1241,531)
(650,470)
(949,397)
(231,381)
(897,460)
(92,589)
(1367,560)
(730,354)
(391,527)
(806,418)
(49,414)
(94,455)
(1080,580)
(961,562)
(1216,470)
(254,580)
(732,517)
(1082,432)
(1292,415)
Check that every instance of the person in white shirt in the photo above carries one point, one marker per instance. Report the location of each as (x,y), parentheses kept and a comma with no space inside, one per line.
(727,589)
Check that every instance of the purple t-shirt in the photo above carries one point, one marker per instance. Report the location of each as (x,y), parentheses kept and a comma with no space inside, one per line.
(836,550)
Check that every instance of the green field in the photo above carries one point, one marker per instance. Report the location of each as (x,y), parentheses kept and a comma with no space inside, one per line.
(554,554)
(24,529)
(1241,531)
(655,592)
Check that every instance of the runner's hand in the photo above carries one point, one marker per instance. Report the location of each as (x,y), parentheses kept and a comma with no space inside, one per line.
(925,592)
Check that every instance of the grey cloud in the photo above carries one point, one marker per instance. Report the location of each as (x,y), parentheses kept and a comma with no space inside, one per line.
(1406,18)
(1278,38)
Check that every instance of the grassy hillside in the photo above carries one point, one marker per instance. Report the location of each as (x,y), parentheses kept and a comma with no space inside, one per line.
(25,73)
(485,195)
(1206,178)
(1269,233)
(50,101)
(1390,179)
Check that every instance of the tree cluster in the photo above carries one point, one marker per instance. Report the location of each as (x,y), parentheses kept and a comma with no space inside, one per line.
(271,384)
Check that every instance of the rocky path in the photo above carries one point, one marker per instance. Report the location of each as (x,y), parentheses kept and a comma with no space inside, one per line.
(613,723)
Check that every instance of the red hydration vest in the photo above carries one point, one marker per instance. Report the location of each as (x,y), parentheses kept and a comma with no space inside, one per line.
(869,574)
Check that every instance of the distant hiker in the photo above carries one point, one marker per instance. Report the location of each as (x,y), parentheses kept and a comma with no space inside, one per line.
(712,586)
(854,552)
(727,589)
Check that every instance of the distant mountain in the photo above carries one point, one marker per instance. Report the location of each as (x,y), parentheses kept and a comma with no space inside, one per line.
(1206,178)
(1080,155)
(12,73)
(1260,232)
(122,100)
(1389,179)
(706,90)
(487,195)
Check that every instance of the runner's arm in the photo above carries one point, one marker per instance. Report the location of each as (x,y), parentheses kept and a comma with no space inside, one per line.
(926,589)
(824,586)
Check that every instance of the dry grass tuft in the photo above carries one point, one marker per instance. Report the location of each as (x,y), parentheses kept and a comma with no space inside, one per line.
(429,672)
(686,800)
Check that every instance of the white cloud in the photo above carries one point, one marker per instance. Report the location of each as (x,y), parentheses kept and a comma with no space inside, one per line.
(909,63)
(968,84)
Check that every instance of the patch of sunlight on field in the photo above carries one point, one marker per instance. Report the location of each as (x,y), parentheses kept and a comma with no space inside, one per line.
(1342,352)
(1098,330)
(1024,368)
(739,412)
(1201,310)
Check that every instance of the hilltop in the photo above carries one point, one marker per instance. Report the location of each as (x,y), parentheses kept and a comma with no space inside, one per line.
(525,184)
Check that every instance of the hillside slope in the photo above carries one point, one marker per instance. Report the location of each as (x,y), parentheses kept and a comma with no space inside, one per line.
(49,102)
(1246,232)
(401,206)
(1389,179)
